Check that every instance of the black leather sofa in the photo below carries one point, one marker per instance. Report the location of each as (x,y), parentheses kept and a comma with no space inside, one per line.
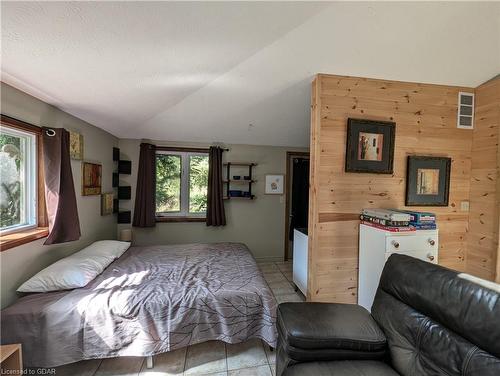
(426,320)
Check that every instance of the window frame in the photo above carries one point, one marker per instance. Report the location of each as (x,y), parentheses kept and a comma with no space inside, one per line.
(183,215)
(27,233)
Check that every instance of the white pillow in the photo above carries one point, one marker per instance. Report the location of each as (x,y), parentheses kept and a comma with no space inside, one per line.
(112,248)
(76,270)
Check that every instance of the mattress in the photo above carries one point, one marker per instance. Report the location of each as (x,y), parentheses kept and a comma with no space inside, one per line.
(151,300)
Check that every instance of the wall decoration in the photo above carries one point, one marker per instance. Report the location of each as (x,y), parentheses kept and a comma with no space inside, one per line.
(75,145)
(106,203)
(428,181)
(91,179)
(370,146)
(274,184)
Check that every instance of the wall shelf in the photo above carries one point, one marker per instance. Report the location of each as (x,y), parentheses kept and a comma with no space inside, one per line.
(122,192)
(239,181)
(228,181)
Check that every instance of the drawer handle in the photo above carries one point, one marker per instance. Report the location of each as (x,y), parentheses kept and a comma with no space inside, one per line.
(395,244)
(432,242)
(430,257)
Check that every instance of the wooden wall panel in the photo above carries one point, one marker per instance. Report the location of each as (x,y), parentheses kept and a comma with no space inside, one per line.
(482,247)
(425,117)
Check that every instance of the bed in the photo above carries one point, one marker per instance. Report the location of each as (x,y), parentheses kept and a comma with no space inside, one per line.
(151,300)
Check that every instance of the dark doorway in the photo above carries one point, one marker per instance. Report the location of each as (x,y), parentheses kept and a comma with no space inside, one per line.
(297,197)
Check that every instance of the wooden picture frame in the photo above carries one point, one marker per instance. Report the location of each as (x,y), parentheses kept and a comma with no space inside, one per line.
(91,179)
(370,146)
(428,181)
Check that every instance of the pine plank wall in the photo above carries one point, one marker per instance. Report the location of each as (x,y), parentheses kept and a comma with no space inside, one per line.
(425,117)
(482,246)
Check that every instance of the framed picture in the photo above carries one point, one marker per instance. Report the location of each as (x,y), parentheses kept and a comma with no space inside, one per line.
(106,203)
(428,181)
(91,179)
(370,146)
(274,184)
(75,145)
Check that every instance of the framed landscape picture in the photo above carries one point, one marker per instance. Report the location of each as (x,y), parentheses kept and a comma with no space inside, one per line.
(370,146)
(91,179)
(428,181)
(75,145)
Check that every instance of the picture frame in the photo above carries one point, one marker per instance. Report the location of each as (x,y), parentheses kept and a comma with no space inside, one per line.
(91,179)
(107,203)
(370,146)
(75,145)
(428,181)
(275,184)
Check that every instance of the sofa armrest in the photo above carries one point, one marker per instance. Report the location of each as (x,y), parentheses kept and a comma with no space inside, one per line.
(329,326)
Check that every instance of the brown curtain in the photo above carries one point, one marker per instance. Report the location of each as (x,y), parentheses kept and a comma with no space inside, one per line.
(145,203)
(215,202)
(64,225)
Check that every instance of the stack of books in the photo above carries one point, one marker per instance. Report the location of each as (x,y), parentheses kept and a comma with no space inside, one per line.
(398,220)
(421,220)
(386,219)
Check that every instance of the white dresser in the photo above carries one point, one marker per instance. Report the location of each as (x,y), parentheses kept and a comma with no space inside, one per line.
(300,252)
(375,247)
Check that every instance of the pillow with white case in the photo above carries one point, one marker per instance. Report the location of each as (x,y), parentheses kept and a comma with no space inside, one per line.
(76,270)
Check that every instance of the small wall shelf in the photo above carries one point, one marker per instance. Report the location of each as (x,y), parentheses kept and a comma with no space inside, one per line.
(122,192)
(246,195)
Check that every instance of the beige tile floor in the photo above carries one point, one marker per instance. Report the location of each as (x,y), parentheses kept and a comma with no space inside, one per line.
(251,358)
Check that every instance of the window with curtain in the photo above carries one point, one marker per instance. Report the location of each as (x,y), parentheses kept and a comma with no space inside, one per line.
(18,190)
(181,185)
(22,204)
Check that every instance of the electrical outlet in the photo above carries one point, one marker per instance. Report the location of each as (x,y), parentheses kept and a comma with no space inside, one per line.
(464,206)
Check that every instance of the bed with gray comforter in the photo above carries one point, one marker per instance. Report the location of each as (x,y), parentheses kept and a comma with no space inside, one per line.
(151,300)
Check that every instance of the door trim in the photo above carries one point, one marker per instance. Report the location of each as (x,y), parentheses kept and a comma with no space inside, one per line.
(289,155)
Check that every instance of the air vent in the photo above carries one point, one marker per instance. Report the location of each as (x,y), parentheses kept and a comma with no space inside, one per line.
(465,118)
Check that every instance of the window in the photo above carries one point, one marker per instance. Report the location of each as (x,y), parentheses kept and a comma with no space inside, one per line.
(181,184)
(21,213)
(18,187)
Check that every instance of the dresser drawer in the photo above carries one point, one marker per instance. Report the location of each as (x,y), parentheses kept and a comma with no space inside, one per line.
(410,243)
(429,255)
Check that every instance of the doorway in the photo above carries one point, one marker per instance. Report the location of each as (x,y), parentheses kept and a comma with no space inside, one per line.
(296,197)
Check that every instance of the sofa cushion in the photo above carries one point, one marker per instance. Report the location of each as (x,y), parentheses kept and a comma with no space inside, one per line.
(341,368)
(432,318)
(421,346)
(465,305)
(329,326)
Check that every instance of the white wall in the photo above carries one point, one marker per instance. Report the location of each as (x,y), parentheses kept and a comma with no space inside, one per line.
(258,223)
(19,263)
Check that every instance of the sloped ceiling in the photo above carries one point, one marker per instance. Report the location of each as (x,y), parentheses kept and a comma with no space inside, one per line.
(234,72)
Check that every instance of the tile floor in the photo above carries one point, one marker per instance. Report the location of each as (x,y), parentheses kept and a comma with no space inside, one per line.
(251,358)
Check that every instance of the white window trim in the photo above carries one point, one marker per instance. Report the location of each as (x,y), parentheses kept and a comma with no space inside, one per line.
(460,94)
(184,199)
(30,202)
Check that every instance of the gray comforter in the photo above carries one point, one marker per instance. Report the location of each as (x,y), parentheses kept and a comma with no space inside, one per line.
(151,300)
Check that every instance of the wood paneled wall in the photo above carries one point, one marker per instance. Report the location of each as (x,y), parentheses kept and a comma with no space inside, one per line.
(425,117)
(482,249)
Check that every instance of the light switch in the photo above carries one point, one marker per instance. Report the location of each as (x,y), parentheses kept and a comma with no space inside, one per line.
(464,206)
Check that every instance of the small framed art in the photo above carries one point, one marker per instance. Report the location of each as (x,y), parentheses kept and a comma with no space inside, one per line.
(370,146)
(91,179)
(75,145)
(428,181)
(106,203)
(274,184)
